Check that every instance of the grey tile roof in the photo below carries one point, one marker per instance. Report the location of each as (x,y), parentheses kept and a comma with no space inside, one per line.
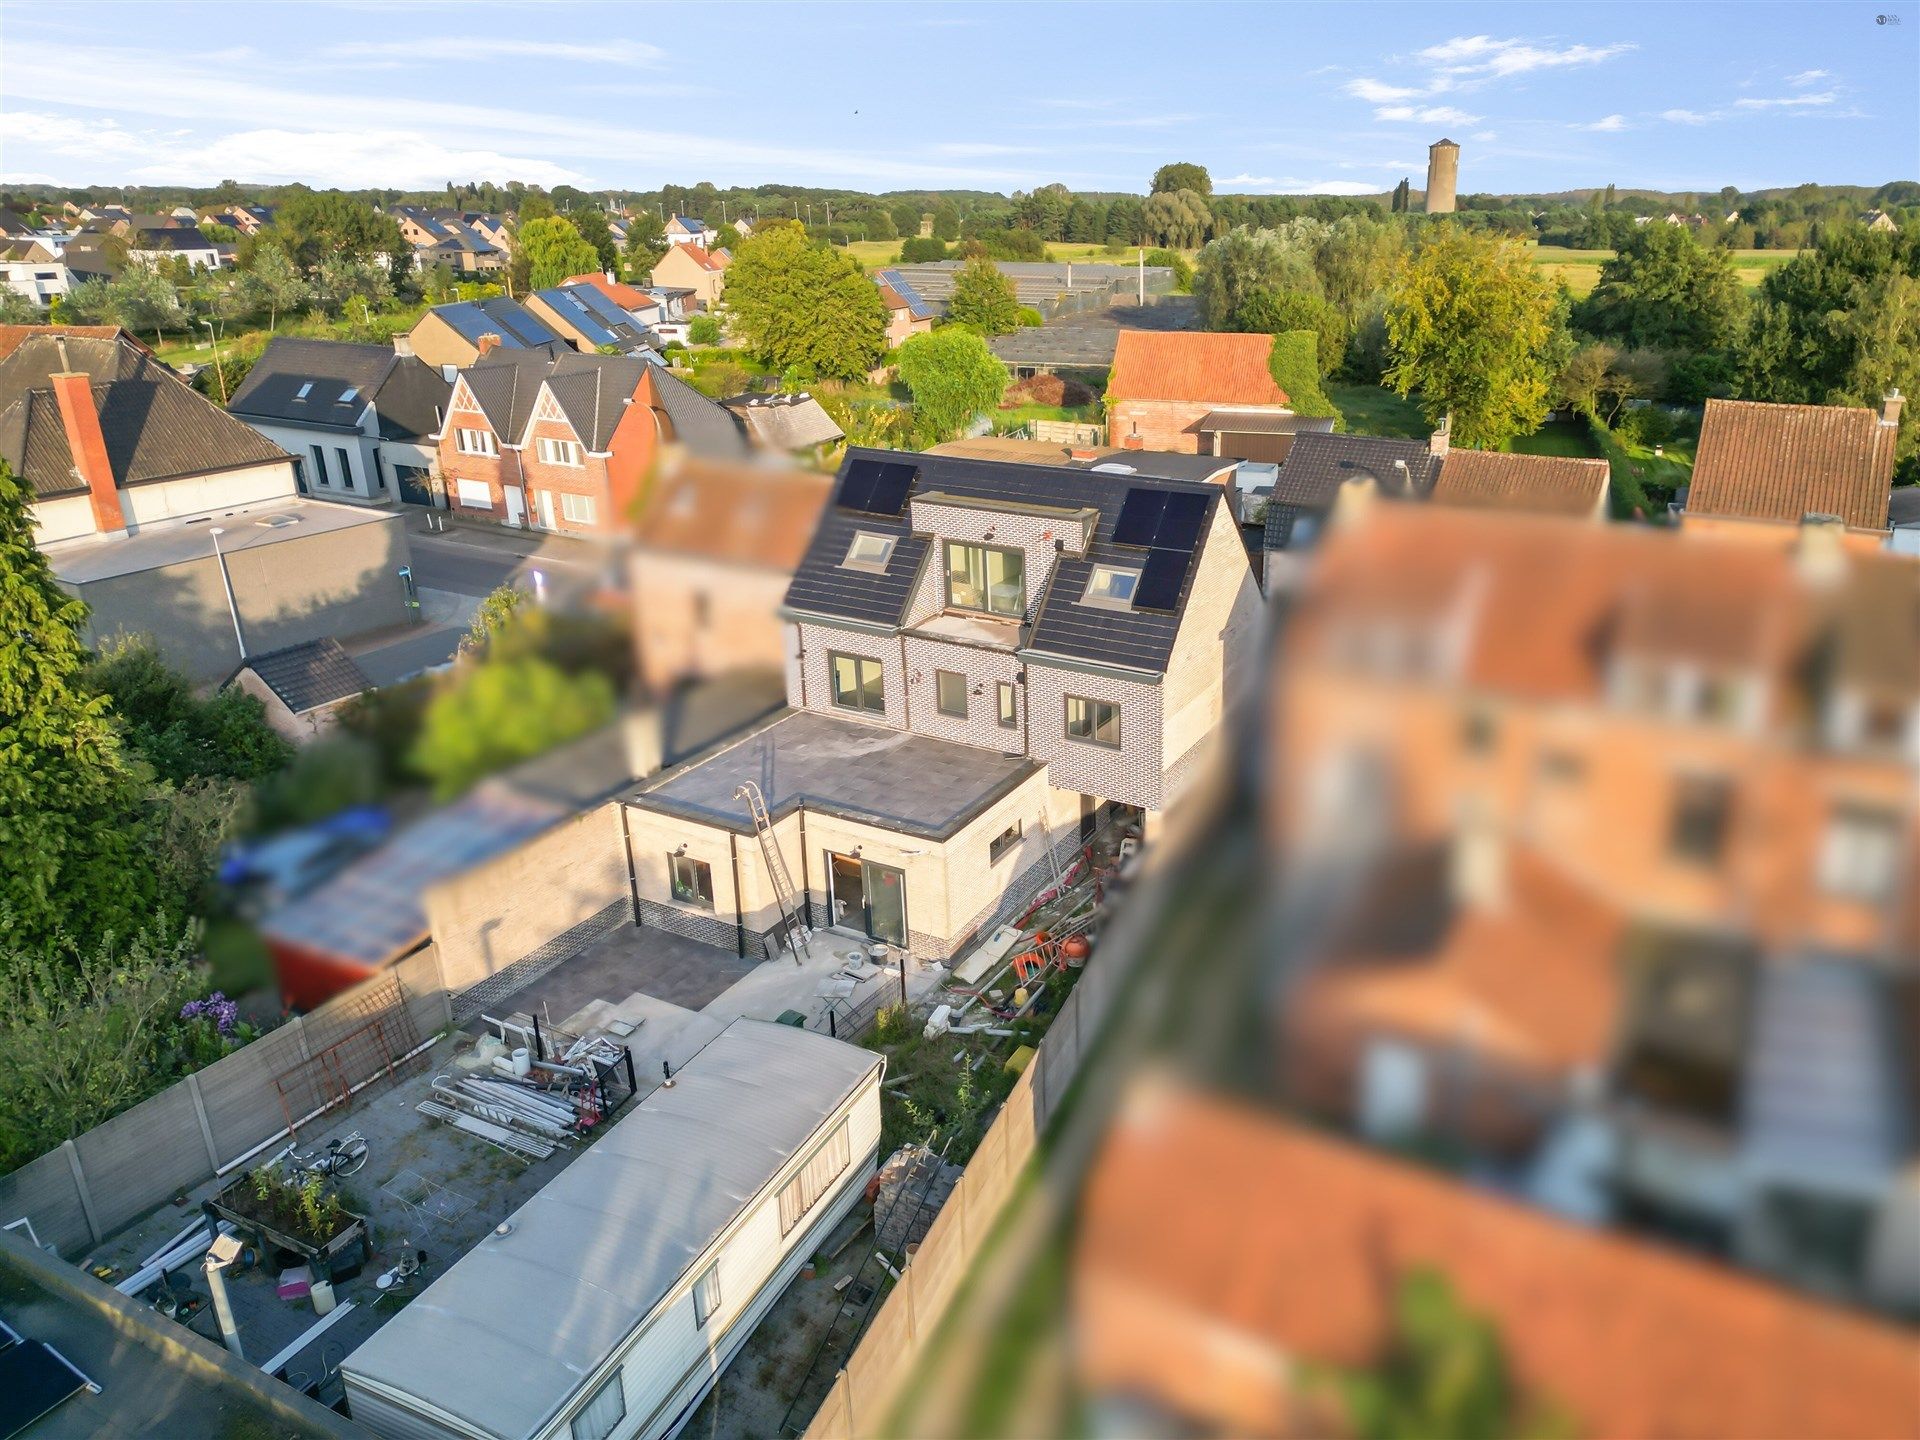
(1061,626)
(1317,465)
(308,676)
(331,368)
(505,384)
(155,426)
(704,426)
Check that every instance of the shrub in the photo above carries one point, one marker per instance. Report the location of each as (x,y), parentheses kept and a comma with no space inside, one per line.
(1646,426)
(704,330)
(504,711)
(1173,260)
(1048,390)
(921,252)
(1296,370)
(1029,317)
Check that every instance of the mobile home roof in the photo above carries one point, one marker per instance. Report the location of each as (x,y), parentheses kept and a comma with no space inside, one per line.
(514,1326)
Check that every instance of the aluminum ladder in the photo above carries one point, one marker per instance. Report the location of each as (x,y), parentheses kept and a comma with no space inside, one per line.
(799,936)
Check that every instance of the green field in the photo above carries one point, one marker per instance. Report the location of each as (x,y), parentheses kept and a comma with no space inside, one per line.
(1371,410)
(1581,268)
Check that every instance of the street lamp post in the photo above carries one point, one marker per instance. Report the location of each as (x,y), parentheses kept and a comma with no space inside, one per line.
(218,369)
(226,583)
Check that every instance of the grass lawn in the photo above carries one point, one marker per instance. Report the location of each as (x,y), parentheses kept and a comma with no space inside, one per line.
(1372,410)
(1580,269)
(1575,441)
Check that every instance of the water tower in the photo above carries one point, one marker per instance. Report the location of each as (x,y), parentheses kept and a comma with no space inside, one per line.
(1443,174)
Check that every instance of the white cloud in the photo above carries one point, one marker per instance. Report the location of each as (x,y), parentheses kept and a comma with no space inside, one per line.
(349,159)
(972,148)
(1825,97)
(1259,180)
(1484,136)
(435,49)
(1426,115)
(1686,117)
(1485,57)
(1606,124)
(1377,93)
(1809,77)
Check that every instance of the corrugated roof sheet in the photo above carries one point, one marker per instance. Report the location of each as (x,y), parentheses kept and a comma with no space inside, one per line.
(1784,462)
(508,1334)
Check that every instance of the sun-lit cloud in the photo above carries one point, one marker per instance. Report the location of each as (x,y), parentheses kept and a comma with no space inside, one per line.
(1788,102)
(1377,93)
(441,49)
(1809,77)
(1426,114)
(1484,56)
(1685,117)
(1606,124)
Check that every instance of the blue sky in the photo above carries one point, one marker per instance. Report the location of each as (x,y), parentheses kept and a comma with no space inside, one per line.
(1328,98)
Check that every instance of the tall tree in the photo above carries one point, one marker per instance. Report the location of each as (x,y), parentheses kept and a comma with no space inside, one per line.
(1182,176)
(1471,323)
(906,219)
(1243,263)
(1666,290)
(311,227)
(946,222)
(804,307)
(73,861)
(1179,218)
(273,284)
(554,250)
(984,299)
(591,223)
(953,377)
(646,244)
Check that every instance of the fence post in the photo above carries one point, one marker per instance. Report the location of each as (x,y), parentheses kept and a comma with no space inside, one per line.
(200,1113)
(299,1025)
(80,1185)
(446,995)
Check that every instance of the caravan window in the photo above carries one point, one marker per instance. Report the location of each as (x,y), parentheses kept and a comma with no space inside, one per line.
(706,1294)
(606,1409)
(816,1177)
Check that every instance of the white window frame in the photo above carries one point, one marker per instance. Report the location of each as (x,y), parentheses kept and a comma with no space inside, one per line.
(565,453)
(829,1161)
(475,442)
(861,553)
(1100,587)
(602,1414)
(570,503)
(464,490)
(706,1295)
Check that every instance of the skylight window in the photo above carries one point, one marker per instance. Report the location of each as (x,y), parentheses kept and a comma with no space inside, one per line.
(869,552)
(303,391)
(1112,587)
(348,394)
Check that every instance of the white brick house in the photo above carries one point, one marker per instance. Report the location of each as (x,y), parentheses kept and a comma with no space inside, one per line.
(983,660)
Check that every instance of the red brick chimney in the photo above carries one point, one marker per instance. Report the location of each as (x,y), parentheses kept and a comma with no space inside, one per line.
(73,393)
(1132,442)
(487,344)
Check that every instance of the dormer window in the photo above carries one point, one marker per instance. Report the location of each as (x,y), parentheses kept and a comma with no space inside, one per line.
(1111,587)
(986,578)
(560,452)
(870,552)
(476,442)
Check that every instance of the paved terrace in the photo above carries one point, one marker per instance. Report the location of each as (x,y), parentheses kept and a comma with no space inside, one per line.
(908,783)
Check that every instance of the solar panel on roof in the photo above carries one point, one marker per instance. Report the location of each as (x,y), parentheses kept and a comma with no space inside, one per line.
(1160,580)
(1140,516)
(876,487)
(1181,521)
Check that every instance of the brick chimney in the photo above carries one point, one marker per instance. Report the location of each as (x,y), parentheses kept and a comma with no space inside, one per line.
(1891,404)
(488,344)
(1132,442)
(403,344)
(1442,438)
(73,393)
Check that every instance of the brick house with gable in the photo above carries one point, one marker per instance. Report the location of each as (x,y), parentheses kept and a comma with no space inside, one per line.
(985,661)
(695,268)
(1197,393)
(566,443)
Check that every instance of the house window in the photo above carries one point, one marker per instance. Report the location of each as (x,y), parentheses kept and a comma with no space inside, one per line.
(858,682)
(1111,586)
(950,688)
(1860,854)
(606,1409)
(815,1178)
(320,467)
(474,494)
(1009,707)
(692,881)
(706,1294)
(304,391)
(986,578)
(578,508)
(1701,806)
(869,552)
(1003,842)
(346,467)
(1097,722)
(560,452)
(476,442)
(348,395)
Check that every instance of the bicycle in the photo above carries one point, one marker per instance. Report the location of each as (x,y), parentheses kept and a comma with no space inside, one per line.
(343,1157)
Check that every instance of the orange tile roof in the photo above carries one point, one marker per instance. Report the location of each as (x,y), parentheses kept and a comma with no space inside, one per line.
(737,513)
(1215,1235)
(1543,484)
(1532,982)
(12,337)
(1781,462)
(1212,369)
(706,260)
(625,296)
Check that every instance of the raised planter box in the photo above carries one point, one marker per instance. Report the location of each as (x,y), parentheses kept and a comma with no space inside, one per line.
(346,1247)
